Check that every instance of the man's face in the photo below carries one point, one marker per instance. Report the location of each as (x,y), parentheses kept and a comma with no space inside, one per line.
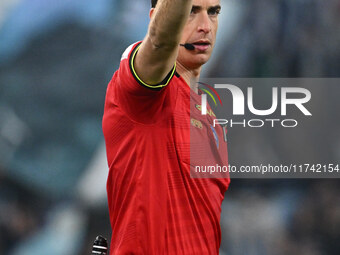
(199,30)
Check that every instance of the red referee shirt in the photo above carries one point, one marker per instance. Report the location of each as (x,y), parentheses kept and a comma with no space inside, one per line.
(155,206)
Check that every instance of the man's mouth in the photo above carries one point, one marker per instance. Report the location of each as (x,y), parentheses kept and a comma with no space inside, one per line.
(201,45)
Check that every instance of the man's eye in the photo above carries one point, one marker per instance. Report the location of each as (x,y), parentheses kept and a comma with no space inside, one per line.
(214,12)
(193,11)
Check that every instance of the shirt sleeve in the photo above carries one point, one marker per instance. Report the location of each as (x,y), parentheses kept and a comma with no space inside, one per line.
(158,86)
(142,102)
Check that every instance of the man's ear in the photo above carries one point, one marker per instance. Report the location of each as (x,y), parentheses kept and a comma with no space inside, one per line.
(151,12)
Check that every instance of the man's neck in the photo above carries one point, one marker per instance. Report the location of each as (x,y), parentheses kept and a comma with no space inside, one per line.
(189,75)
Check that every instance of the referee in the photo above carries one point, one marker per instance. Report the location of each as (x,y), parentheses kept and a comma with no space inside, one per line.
(155,206)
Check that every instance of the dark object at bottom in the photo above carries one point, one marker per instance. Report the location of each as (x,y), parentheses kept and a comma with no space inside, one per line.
(99,246)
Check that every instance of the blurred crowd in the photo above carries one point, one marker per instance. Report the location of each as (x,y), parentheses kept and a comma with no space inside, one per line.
(20,214)
(282,217)
(53,76)
(283,38)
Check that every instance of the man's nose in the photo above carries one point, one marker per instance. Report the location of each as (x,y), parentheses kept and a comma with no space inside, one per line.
(204,24)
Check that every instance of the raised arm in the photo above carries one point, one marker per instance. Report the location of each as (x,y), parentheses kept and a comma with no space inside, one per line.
(158,51)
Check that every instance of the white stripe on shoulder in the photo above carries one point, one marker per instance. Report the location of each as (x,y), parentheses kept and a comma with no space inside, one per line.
(126,52)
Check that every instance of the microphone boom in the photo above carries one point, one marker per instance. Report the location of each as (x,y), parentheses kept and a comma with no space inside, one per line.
(188,46)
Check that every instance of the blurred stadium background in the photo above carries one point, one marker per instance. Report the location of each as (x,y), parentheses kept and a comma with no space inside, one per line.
(56,58)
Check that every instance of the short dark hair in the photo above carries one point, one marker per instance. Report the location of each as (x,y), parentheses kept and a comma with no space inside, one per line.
(153,3)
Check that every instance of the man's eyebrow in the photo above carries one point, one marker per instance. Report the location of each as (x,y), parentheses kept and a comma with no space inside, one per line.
(197,8)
